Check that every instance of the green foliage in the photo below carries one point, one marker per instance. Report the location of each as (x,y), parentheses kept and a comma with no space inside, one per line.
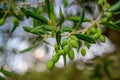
(115,7)
(67,37)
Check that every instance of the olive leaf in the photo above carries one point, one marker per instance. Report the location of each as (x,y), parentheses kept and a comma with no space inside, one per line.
(15,12)
(52,14)
(64,59)
(35,30)
(33,46)
(115,7)
(65,2)
(117,12)
(58,37)
(77,19)
(81,19)
(47,3)
(5,72)
(61,20)
(85,38)
(34,15)
(117,22)
(2,78)
(47,28)
(111,25)
(50,11)
(66,29)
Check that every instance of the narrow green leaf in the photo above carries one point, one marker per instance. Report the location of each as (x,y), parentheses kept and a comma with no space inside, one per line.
(52,13)
(77,19)
(81,19)
(7,73)
(117,22)
(47,28)
(111,25)
(38,30)
(61,20)
(117,12)
(35,30)
(65,2)
(27,29)
(64,59)
(33,46)
(85,38)
(115,7)
(19,17)
(67,29)
(47,3)
(2,78)
(34,15)
(58,37)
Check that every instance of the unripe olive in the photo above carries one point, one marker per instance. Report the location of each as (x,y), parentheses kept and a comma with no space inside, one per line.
(66,49)
(71,54)
(50,64)
(93,30)
(88,45)
(102,38)
(74,44)
(100,2)
(60,52)
(56,46)
(105,19)
(74,38)
(64,42)
(15,22)
(108,5)
(109,14)
(96,36)
(88,32)
(83,51)
(2,21)
(55,58)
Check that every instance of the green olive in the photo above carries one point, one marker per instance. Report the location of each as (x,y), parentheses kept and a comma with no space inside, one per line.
(74,43)
(60,52)
(88,45)
(96,36)
(108,5)
(93,30)
(100,2)
(50,65)
(56,58)
(66,49)
(109,14)
(71,54)
(15,22)
(83,51)
(105,19)
(64,42)
(74,38)
(102,38)
(2,21)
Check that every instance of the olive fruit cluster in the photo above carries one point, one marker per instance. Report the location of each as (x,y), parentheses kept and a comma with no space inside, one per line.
(96,34)
(51,63)
(64,50)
